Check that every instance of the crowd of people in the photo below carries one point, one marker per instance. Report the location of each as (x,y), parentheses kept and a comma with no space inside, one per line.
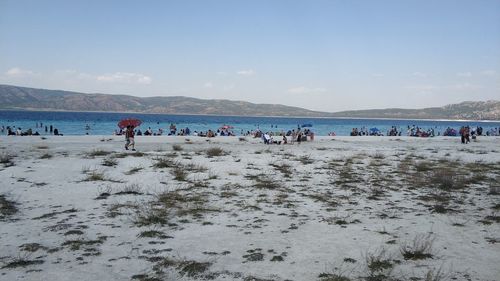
(289,137)
(420,132)
(182,132)
(18,131)
(365,132)
(415,131)
(269,136)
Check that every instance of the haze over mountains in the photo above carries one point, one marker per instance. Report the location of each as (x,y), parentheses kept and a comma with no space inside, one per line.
(23,98)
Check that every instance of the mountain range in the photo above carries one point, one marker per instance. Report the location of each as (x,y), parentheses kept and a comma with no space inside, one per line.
(23,98)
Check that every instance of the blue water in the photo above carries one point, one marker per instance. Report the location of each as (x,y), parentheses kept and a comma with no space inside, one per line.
(74,123)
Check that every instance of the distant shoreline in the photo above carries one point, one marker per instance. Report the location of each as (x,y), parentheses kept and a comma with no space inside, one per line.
(252,116)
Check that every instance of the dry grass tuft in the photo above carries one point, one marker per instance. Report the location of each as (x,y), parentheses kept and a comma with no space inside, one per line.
(7,207)
(109,162)
(180,173)
(419,248)
(6,159)
(164,162)
(177,147)
(97,152)
(215,151)
(46,156)
(150,215)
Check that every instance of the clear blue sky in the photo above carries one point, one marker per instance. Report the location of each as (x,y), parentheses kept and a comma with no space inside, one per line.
(322,55)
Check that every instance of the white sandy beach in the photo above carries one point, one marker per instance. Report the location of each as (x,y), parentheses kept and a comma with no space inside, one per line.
(83,208)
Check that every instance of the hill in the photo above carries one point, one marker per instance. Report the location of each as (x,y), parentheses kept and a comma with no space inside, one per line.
(15,97)
(469,110)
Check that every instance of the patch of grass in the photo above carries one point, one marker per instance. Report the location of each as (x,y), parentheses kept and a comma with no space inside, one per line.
(21,262)
(97,152)
(164,162)
(130,189)
(179,173)
(379,264)
(152,234)
(193,268)
(333,277)
(183,204)
(7,207)
(494,189)
(376,192)
(46,156)
(215,151)
(440,208)
(120,155)
(283,168)
(145,277)
(341,220)
(192,167)
(117,209)
(346,174)
(32,247)
(53,214)
(447,179)
(177,147)
(73,232)
(277,258)
(6,159)
(435,275)
(77,244)
(188,268)
(109,162)
(423,166)
(305,159)
(95,176)
(86,169)
(212,176)
(418,249)
(133,170)
(324,198)
(254,256)
(493,218)
(150,216)
(266,182)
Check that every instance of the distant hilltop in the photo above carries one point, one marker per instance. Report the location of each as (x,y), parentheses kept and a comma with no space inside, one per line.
(23,98)
(468,110)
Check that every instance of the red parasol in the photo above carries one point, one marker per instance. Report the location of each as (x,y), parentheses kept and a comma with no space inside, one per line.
(129,122)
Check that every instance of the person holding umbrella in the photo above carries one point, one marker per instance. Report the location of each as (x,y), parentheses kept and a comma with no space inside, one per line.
(130,124)
(129,138)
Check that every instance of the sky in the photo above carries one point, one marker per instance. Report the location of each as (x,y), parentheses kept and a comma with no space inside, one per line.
(321,55)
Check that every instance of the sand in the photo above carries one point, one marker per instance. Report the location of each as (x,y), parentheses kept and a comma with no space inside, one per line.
(382,208)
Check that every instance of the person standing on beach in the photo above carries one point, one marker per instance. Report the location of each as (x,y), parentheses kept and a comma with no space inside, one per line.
(463,134)
(129,138)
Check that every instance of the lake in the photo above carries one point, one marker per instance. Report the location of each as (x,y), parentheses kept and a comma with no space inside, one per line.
(103,123)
